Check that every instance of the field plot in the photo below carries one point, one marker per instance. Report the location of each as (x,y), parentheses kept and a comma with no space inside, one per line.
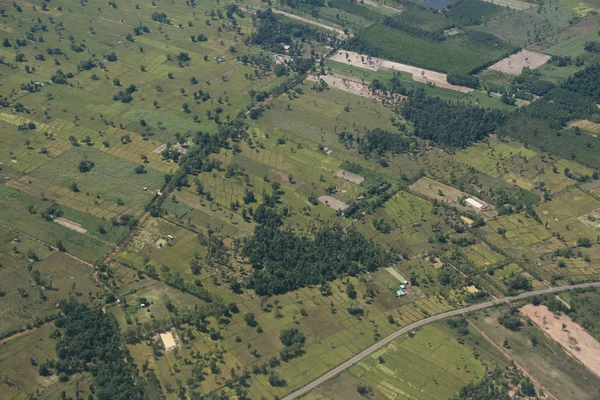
(21,378)
(512,4)
(461,53)
(333,203)
(447,194)
(514,64)
(430,365)
(376,64)
(110,189)
(561,215)
(572,337)
(556,371)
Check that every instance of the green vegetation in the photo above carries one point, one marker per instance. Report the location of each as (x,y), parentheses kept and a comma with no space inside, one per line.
(197,202)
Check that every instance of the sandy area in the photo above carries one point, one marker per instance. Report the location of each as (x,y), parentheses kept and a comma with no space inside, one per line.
(340,33)
(333,203)
(513,4)
(377,4)
(349,176)
(418,74)
(74,226)
(573,338)
(336,82)
(515,63)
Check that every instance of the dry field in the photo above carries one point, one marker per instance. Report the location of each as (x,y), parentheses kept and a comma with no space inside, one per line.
(349,176)
(515,63)
(572,337)
(333,203)
(418,74)
(513,4)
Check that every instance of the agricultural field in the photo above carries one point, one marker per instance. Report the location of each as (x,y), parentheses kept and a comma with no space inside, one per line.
(557,373)
(195,205)
(398,370)
(462,53)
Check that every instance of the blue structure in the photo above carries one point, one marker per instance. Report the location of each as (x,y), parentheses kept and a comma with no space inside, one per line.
(400,292)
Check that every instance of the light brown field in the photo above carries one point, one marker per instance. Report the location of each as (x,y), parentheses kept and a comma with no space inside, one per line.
(349,176)
(515,63)
(333,203)
(74,226)
(573,338)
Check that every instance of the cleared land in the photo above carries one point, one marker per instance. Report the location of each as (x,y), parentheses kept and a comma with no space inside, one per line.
(512,4)
(572,337)
(376,64)
(515,63)
(333,203)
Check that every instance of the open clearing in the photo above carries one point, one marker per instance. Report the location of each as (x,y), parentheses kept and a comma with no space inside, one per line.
(70,224)
(513,4)
(333,203)
(573,338)
(349,176)
(346,85)
(339,32)
(418,74)
(515,63)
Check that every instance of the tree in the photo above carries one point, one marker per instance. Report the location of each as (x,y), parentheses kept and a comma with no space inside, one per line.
(250,320)
(291,336)
(363,390)
(86,165)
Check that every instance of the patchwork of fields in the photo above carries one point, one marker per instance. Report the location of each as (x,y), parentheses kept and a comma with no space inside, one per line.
(206,169)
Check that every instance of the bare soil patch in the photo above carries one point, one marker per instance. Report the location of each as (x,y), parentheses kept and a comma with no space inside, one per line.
(349,176)
(418,74)
(333,203)
(447,194)
(74,226)
(514,64)
(573,338)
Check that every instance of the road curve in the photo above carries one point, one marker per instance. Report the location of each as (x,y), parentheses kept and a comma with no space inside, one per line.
(302,391)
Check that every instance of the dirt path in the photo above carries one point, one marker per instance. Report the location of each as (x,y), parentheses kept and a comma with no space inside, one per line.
(339,32)
(377,4)
(25,332)
(508,356)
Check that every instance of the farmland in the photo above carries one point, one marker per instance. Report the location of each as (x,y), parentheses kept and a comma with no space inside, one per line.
(204,171)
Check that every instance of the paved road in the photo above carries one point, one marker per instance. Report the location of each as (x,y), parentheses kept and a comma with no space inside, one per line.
(302,391)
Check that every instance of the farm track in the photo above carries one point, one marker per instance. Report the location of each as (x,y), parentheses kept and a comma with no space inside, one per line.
(506,300)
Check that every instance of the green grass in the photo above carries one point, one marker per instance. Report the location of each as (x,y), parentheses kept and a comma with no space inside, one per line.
(14,214)
(462,53)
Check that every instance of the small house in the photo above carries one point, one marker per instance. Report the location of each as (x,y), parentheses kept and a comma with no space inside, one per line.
(400,293)
(474,203)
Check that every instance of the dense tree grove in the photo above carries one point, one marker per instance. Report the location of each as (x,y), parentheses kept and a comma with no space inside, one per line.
(274,31)
(380,142)
(586,82)
(285,261)
(448,123)
(90,341)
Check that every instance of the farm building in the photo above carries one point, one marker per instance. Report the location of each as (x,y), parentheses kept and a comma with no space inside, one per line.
(474,203)
(400,292)
(168,341)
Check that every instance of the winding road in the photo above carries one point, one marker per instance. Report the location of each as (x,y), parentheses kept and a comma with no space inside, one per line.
(304,390)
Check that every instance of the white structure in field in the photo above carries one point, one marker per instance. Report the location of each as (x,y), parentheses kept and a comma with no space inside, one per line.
(474,203)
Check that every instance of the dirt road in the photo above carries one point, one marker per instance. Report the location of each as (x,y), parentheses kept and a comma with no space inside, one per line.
(304,390)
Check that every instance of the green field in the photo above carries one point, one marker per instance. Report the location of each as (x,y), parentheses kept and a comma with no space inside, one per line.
(462,53)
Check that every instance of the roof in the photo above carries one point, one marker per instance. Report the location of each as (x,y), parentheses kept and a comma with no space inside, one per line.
(400,293)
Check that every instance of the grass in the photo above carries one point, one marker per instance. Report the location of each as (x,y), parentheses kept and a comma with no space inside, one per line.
(432,365)
(21,378)
(462,53)
(547,362)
